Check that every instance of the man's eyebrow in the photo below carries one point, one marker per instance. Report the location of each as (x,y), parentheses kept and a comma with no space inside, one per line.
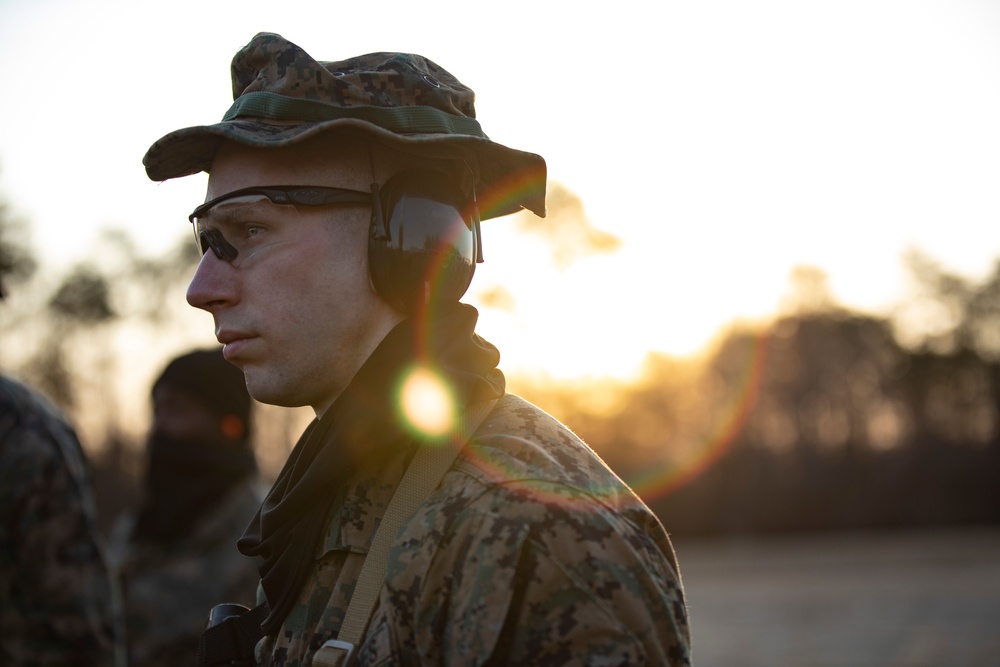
(236,210)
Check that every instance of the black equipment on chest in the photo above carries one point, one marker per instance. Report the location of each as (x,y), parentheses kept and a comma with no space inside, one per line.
(423,242)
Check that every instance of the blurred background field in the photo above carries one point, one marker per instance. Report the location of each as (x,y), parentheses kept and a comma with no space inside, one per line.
(922,598)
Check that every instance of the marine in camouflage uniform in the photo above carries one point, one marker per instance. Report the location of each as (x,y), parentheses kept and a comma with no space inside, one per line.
(166,590)
(530,551)
(55,604)
(175,557)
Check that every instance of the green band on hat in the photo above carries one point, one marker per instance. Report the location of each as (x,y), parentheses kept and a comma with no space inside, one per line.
(402,120)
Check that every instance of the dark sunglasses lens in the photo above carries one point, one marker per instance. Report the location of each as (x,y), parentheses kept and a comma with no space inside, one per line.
(203,243)
(223,249)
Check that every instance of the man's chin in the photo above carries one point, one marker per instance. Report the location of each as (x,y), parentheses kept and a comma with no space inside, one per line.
(264,391)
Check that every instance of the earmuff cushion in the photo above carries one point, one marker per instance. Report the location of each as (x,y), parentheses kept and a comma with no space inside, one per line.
(422,241)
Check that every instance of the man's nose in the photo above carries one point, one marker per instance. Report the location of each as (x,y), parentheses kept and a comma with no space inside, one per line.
(213,284)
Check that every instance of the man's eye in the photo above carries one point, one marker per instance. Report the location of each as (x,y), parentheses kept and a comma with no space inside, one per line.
(253,231)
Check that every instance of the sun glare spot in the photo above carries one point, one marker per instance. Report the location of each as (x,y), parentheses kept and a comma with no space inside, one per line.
(427,403)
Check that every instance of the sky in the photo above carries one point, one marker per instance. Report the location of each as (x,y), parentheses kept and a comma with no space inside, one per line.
(718,144)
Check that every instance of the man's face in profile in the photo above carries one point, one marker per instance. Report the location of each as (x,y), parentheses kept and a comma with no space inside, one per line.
(297,314)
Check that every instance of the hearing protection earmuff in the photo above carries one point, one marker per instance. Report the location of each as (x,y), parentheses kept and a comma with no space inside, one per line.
(423,242)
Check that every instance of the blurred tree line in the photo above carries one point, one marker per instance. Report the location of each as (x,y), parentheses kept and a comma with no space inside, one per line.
(821,418)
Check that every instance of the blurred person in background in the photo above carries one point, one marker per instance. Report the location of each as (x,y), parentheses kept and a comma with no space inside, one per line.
(175,557)
(55,597)
(340,229)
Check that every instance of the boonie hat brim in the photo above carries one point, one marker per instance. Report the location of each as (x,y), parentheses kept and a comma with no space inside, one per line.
(284,97)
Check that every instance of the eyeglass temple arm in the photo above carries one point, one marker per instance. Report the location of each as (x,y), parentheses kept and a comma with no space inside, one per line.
(381,229)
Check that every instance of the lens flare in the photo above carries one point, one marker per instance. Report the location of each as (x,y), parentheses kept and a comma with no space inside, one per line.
(427,403)
(663,480)
(504,195)
(511,190)
(660,479)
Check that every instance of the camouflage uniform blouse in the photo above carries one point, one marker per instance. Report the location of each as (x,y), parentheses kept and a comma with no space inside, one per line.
(55,604)
(530,552)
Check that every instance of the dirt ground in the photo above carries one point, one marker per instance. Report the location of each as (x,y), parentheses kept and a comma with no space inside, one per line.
(902,599)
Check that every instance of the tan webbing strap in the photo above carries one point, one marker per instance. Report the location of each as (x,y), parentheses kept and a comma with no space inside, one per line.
(422,476)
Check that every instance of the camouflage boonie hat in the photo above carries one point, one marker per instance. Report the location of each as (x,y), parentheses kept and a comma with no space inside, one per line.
(283,96)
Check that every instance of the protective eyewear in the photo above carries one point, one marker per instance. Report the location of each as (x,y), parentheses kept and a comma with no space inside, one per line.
(228,249)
